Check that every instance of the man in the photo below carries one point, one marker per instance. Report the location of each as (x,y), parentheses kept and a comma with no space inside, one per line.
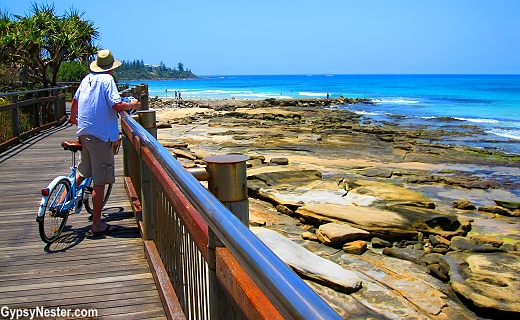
(96,104)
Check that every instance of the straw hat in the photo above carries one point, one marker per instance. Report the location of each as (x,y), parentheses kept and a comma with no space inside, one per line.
(105,61)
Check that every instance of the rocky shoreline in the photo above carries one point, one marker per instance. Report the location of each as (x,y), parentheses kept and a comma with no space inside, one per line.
(428,230)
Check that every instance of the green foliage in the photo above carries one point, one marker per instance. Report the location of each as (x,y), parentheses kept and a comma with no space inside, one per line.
(137,70)
(73,71)
(36,45)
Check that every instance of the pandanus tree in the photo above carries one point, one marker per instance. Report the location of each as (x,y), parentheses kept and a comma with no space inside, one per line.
(37,44)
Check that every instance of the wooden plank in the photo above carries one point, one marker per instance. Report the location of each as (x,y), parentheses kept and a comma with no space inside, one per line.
(237,283)
(108,273)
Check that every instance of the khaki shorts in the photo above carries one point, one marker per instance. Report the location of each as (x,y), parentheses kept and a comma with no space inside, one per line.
(97,160)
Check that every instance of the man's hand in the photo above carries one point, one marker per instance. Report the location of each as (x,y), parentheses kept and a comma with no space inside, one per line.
(73,120)
(130,103)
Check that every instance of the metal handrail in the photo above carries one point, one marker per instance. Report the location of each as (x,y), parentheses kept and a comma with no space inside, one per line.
(288,293)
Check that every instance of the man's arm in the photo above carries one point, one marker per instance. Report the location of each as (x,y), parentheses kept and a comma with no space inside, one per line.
(133,104)
(73,118)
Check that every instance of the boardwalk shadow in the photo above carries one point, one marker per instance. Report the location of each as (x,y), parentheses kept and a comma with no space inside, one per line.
(70,238)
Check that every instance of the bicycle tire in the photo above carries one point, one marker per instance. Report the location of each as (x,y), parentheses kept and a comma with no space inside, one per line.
(88,202)
(53,221)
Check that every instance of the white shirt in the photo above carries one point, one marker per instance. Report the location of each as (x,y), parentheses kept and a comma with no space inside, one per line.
(96,95)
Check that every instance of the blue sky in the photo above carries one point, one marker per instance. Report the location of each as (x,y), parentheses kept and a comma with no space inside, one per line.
(307,37)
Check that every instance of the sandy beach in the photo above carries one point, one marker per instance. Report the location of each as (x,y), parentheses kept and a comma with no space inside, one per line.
(383,161)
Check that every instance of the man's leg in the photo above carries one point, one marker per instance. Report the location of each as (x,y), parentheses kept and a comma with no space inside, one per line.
(102,173)
(79,179)
(98,193)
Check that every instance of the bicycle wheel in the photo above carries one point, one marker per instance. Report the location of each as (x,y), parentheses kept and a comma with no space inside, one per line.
(54,218)
(88,197)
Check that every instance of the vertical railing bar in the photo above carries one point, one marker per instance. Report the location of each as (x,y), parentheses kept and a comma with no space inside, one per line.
(193,276)
(195,279)
(202,284)
(178,267)
(184,272)
(190,274)
(188,268)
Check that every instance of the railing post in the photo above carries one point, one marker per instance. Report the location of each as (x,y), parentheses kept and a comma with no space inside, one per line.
(16,118)
(146,198)
(53,93)
(144,97)
(147,119)
(126,145)
(228,183)
(37,115)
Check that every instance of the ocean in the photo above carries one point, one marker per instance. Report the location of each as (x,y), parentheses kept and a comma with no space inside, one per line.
(487,102)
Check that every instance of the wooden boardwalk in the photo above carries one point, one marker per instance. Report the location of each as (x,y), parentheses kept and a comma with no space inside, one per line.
(108,273)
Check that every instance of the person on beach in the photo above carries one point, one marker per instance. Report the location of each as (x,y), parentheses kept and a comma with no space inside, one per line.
(94,110)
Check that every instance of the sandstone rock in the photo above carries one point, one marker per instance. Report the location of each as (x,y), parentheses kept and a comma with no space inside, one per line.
(390,193)
(170,144)
(507,247)
(257,157)
(308,264)
(376,172)
(309,236)
(254,162)
(380,243)
(398,289)
(184,154)
(489,280)
(433,240)
(421,178)
(441,248)
(470,245)
(355,247)
(257,222)
(201,153)
(294,188)
(483,239)
(436,271)
(285,177)
(511,205)
(163,124)
(382,224)
(335,233)
(406,254)
(463,204)
(432,258)
(499,210)
(431,221)
(436,240)
(280,161)
(469,182)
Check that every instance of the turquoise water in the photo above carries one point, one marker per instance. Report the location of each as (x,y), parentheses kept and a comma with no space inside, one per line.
(491,102)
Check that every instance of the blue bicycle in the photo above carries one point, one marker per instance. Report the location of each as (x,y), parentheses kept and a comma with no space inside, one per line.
(62,196)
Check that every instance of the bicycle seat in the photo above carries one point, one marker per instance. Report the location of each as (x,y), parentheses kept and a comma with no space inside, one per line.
(72,145)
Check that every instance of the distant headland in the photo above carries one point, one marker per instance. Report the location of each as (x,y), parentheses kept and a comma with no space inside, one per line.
(132,70)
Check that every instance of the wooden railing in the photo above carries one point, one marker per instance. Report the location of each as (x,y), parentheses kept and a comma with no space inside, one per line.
(209,264)
(26,113)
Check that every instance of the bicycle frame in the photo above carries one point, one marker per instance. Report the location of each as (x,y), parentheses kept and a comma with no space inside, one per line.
(74,195)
